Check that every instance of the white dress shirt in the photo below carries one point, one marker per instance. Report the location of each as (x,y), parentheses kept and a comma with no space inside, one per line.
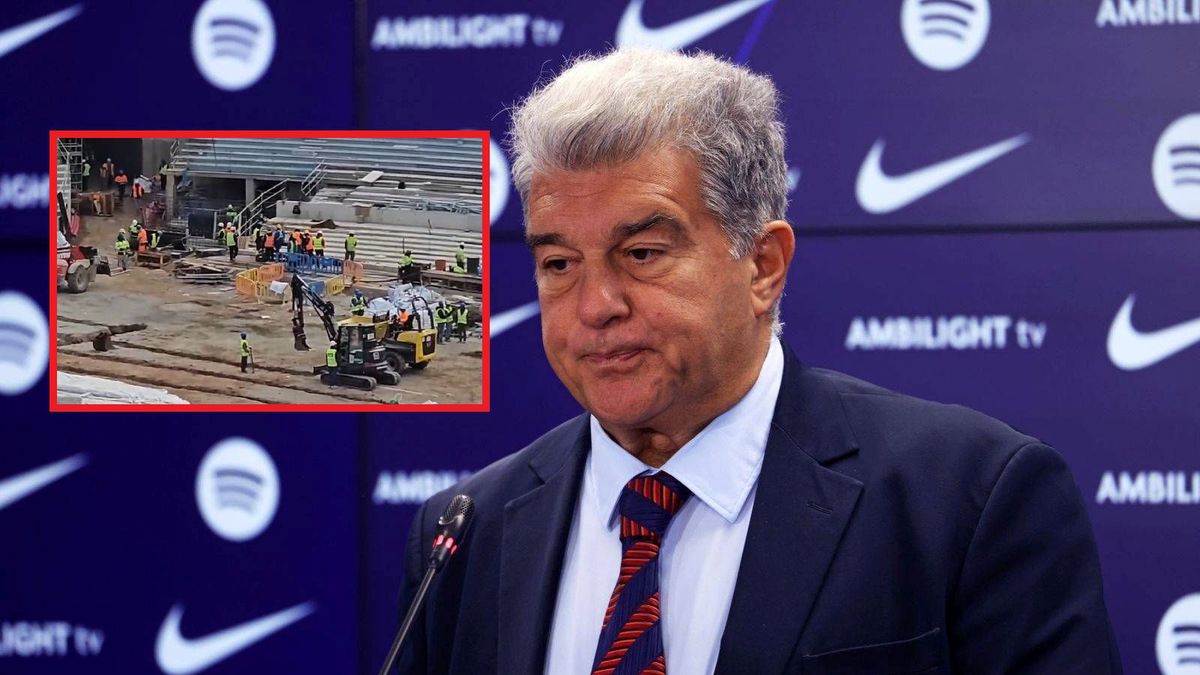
(699,558)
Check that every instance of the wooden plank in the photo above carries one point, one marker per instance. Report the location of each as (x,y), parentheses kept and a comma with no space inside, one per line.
(155,259)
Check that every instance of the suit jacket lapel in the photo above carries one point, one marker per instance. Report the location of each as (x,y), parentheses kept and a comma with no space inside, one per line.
(801,509)
(536,526)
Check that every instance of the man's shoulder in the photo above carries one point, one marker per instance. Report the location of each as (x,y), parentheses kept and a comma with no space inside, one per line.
(511,476)
(897,430)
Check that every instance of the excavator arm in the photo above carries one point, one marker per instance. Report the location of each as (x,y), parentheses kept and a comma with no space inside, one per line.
(323,308)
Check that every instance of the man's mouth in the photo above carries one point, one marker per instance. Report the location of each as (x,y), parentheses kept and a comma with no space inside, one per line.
(614,357)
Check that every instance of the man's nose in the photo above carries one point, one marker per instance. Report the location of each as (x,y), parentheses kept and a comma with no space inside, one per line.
(602,296)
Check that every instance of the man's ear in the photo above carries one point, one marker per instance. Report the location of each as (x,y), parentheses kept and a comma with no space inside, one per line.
(772,255)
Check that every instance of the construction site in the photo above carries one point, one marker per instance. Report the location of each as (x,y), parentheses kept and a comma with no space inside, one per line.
(270,270)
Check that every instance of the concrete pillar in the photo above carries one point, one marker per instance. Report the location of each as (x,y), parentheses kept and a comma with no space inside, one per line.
(170,197)
(154,151)
(249,190)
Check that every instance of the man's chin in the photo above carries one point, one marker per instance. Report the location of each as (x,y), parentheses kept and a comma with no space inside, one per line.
(627,404)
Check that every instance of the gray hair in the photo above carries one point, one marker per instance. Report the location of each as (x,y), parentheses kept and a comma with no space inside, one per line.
(610,109)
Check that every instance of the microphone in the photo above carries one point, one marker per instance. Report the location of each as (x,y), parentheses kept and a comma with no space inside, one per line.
(452,527)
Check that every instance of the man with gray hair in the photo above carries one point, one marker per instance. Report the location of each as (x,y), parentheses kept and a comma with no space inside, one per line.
(723,507)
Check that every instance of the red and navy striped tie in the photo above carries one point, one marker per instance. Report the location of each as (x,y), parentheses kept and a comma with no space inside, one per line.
(631,637)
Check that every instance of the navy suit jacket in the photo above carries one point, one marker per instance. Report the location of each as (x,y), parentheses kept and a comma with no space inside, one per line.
(889,535)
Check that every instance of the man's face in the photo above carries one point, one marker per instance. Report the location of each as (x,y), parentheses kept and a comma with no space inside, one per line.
(645,316)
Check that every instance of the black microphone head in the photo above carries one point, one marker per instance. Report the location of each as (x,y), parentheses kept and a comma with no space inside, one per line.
(457,515)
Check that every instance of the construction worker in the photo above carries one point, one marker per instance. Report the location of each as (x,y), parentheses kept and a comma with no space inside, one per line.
(230,214)
(108,171)
(308,242)
(461,319)
(256,234)
(134,227)
(351,245)
(143,240)
(296,248)
(397,325)
(358,304)
(331,355)
(439,321)
(154,239)
(268,245)
(245,349)
(406,268)
(447,313)
(318,242)
(122,180)
(122,247)
(280,240)
(460,259)
(231,242)
(87,173)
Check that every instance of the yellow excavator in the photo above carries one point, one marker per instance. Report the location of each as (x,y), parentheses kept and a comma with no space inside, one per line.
(361,356)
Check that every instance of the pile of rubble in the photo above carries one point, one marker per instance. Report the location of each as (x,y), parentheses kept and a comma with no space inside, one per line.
(199,273)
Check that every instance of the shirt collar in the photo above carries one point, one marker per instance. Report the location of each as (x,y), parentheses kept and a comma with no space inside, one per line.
(720,465)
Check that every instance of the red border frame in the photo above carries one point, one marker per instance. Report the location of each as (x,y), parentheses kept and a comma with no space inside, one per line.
(485,406)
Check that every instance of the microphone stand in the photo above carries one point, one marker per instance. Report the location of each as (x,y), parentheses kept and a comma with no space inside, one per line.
(409,618)
(452,527)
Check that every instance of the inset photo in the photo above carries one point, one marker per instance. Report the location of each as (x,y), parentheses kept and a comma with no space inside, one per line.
(300,270)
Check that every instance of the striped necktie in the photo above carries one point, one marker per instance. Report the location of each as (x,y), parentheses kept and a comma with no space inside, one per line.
(631,636)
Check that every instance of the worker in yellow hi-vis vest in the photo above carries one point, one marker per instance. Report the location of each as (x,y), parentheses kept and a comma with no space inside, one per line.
(231,242)
(245,350)
(460,259)
(461,321)
(331,356)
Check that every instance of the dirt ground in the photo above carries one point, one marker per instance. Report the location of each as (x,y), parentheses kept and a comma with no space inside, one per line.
(190,344)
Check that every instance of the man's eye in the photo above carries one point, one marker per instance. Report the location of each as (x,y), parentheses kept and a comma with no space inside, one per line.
(644,255)
(555,265)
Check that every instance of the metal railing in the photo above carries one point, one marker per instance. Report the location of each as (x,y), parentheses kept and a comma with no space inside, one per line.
(251,214)
(313,181)
(70,152)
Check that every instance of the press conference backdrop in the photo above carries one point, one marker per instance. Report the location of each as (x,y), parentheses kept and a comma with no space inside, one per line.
(996,205)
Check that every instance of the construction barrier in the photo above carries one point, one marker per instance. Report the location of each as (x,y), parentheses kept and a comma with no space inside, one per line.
(256,283)
(270,272)
(302,262)
(246,282)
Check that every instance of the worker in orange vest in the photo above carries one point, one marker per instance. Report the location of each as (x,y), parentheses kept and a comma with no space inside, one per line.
(268,246)
(296,241)
(308,242)
(143,239)
(122,180)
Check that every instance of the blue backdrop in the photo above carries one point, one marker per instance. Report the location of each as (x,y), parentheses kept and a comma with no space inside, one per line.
(997,209)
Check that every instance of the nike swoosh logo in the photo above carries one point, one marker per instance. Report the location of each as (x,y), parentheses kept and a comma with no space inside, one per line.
(25,484)
(177,655)
(631,32)
(1130,349)
(29,31)
(880,193)
(512,317)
